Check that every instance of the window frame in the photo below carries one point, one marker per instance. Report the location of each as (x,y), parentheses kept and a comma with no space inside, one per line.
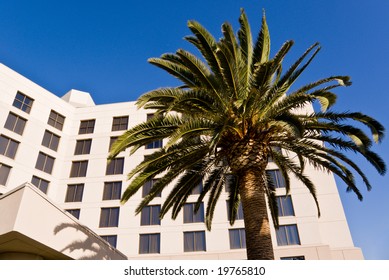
(10,146)
(112,217)
(89,126)
(277,179)
(190,216)
(115,166)
(147,186)
(155,144)
(112,140)
(86,145)
(120,123)
(150,249)
(77,168)
(285,206)
(293,258)
(240,235)
(40,183)
(16,123)
(107,238)
(150,215)
(52,145)
(194,247)
(56,120)
(5,170)
(111,189)
(73,212)
(285,235)
(74,193)
(48,161)
(24,104)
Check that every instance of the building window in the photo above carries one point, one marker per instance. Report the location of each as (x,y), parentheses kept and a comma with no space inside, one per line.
(115,166)
(15,123)
(109,217)
(230,181)
(23,102)
(41,184)
(189,213)
(50,140)
(285,206)
(150,215)
(287,235)
(277,178)
(147,187)
(74,193)
(79,168)
(83,147)
(120,123)
(4,173)
(156,144)
(294,258)
(74,212)
(239,211)
(56,120)
(8,146)
(112,190)
(110,239)
(111,141)
(237,238)
(194,241)
(45,163)
(149,243)
(86,127)
(198,189)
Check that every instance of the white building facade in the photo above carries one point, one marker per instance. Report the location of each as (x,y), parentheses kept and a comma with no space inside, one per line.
(60,146)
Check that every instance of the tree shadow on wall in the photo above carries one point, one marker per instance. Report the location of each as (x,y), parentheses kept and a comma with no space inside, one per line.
(93,247)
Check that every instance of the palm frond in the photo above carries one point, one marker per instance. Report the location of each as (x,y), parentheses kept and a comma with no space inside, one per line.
(246,44)
(261,50)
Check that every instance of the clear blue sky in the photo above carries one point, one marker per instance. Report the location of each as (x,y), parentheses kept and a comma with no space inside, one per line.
(102,47)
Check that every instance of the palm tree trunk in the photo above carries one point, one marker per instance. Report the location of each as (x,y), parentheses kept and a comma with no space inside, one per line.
(258,237)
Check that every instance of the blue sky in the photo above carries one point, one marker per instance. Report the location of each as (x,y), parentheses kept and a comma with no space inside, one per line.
(102,47)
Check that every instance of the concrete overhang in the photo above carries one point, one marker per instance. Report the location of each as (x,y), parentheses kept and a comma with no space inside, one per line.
(33,227)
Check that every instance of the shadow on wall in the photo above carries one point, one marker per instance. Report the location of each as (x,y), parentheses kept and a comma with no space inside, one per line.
(86,245)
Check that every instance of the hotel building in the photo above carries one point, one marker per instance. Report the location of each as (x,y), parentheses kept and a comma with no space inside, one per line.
(60,200)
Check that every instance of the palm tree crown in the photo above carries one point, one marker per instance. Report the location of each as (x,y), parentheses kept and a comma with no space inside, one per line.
(234,111)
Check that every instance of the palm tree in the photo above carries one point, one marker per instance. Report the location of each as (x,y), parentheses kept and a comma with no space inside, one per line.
(234,110)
